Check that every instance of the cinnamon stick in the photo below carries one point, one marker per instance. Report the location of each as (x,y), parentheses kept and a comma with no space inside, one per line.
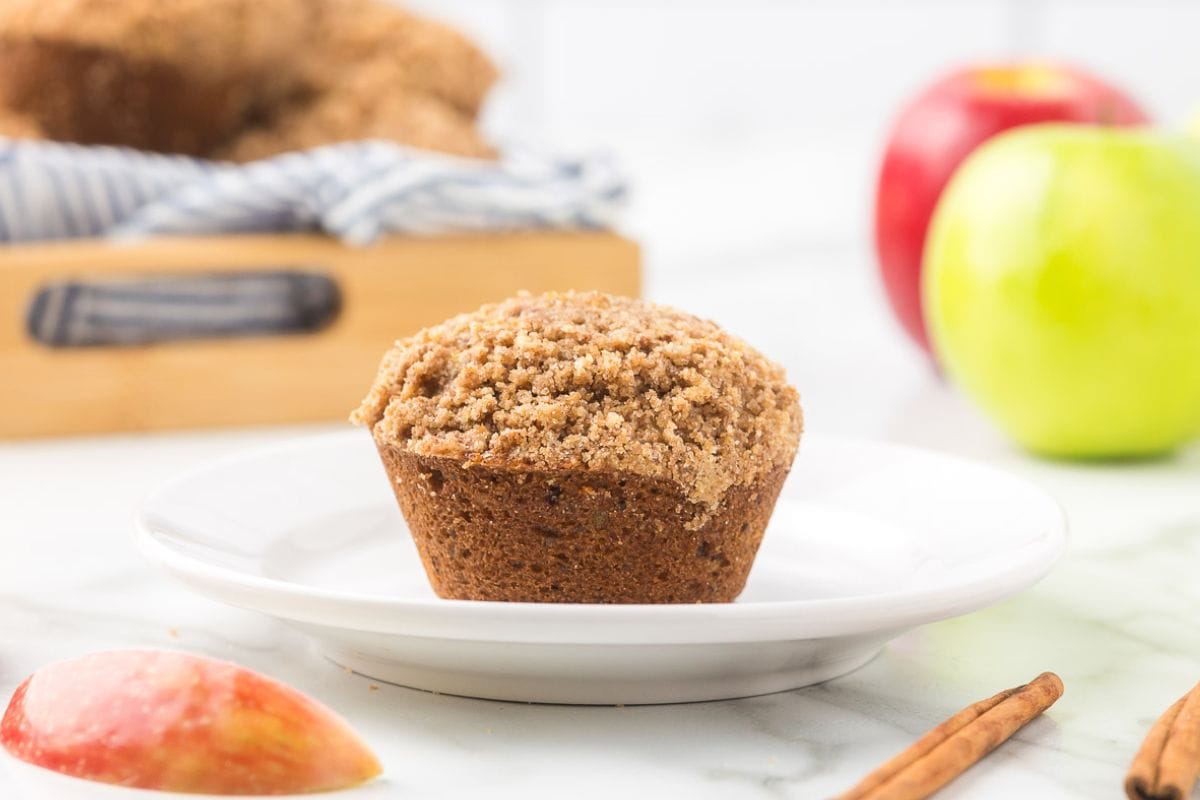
(951,748)
(1166,765)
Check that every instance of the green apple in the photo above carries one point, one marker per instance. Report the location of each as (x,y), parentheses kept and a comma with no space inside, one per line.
(1062,287)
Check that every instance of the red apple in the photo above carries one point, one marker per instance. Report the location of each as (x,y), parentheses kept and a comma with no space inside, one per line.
(173,721)
(941,126)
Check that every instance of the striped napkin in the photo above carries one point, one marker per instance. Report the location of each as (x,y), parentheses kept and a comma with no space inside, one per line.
(355,191)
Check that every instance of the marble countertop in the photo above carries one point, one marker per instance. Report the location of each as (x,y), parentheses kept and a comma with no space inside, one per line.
(1116,619)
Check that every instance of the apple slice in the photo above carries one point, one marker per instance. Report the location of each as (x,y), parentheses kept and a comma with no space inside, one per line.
(157,719)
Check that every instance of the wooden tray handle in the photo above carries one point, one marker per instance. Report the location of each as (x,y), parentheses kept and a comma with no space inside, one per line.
(129,311)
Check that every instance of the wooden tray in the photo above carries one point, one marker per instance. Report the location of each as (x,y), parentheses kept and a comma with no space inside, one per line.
(386,291)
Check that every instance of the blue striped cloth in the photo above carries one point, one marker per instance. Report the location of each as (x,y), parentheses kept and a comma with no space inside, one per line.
(356,191)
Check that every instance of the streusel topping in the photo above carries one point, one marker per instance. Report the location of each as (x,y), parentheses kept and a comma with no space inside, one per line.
(588,381)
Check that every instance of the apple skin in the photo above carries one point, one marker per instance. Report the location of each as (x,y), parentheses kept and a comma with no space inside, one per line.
(156,719)
(940,127)
(1062,285)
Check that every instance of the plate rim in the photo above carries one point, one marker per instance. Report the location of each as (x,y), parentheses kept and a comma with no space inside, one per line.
(773,620)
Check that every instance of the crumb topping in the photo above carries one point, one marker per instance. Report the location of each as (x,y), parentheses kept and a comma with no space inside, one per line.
(588,381)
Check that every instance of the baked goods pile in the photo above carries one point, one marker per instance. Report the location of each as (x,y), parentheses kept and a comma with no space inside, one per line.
(581,447)
(238,79)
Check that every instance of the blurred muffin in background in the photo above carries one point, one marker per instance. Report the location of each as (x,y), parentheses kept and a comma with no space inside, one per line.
(385,43)
(180,76)
(367,106)
(238,79)
(379,72)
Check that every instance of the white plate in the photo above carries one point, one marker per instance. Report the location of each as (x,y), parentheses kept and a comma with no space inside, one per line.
(867,540)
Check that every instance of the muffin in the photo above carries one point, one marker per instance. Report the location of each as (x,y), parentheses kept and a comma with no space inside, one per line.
(240,79)
(391,46)
(363,110)
(178,77)
(583,448)
(376,71)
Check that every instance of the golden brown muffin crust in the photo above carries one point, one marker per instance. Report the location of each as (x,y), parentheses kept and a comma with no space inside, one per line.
(587,381)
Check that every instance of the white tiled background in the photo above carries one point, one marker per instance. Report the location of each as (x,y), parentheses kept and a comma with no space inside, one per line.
(756,125)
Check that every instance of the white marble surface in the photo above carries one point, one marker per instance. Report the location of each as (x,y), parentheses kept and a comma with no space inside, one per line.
(1116,619)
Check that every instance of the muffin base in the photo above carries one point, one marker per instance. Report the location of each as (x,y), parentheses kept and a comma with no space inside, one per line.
(488,533)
